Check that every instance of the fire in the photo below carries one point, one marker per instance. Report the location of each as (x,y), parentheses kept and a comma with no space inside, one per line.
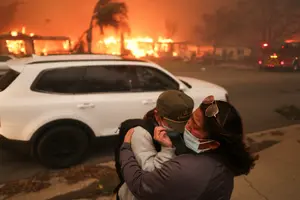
(139,46)
(41,47)
(16,46)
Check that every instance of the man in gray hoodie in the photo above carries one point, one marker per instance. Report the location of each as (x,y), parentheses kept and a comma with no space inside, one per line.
(173,110)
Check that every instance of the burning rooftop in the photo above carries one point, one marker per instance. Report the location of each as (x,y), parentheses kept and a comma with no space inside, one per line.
(20,43)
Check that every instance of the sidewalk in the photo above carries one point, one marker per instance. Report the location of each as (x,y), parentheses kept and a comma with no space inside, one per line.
(277,174)
(275,177)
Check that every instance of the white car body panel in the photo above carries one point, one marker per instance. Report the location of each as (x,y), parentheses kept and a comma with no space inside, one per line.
(23,112)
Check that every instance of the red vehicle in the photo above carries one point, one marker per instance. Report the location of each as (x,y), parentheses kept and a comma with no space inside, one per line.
(284,57)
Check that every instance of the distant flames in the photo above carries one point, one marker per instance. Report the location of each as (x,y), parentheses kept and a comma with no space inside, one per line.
(42,47)
(138,46)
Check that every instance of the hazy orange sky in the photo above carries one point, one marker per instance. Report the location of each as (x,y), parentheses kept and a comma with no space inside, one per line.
(71,17)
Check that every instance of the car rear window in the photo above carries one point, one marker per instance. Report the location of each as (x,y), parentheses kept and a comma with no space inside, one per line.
(7,79)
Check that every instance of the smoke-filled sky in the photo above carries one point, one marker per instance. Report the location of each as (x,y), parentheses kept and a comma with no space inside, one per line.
(147,17)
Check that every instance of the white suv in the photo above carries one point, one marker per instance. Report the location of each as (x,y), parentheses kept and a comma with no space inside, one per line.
(58,104)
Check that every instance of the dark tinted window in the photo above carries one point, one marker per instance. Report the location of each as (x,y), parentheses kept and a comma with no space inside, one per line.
(4,58)
(65,80)
(151,79)
(7,79)
(108,79)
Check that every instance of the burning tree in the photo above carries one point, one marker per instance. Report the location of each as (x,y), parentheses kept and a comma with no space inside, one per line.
(108,13)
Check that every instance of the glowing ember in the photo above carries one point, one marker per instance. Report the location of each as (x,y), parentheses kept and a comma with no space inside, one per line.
(14,33)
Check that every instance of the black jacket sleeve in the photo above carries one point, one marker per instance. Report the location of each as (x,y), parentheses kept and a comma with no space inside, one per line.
(146,185)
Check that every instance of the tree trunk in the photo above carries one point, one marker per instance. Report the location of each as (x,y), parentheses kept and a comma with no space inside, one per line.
(122,43)
(89,36)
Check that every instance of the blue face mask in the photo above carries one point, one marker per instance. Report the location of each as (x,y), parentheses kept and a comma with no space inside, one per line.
(193,143)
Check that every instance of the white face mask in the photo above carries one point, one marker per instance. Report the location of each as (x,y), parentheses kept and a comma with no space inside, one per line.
(193,143)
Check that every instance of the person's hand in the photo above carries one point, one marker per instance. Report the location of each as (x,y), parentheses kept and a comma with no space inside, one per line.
(161,136)
(128,136)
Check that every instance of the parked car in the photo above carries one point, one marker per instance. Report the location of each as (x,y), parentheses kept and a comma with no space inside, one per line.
(58,104)
(3,60)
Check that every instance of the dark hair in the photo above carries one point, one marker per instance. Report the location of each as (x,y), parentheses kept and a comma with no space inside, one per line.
(150,115)
(227,129)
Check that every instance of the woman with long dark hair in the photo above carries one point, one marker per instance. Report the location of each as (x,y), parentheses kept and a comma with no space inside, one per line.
(215,154)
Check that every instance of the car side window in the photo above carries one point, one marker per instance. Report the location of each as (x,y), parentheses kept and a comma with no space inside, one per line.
(105,79)
(65,80)
(151,79)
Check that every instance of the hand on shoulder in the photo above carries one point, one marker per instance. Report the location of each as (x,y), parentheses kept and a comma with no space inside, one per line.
(128,136)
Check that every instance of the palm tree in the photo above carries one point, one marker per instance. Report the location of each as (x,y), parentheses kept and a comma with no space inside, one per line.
(108,13)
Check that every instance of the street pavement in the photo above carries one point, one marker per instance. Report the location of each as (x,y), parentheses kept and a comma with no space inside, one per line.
(256,94)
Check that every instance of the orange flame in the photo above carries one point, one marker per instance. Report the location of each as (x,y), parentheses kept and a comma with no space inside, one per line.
(139,46)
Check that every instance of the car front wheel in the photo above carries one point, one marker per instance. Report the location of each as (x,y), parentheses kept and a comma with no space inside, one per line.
(62,146)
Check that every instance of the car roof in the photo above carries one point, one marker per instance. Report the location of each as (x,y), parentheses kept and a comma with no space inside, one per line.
(19,64)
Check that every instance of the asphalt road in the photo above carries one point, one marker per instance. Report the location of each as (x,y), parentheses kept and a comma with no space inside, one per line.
(256,95)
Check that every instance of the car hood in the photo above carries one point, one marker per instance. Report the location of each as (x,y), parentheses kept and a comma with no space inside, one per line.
(200,83)
(201,89)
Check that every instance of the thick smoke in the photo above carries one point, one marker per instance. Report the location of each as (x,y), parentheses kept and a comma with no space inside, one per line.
(147,17)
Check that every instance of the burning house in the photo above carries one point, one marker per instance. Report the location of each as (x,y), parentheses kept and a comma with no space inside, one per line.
(22,44)
(138,46)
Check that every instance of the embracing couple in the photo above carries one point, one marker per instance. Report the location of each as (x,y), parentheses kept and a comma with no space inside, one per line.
(190,155)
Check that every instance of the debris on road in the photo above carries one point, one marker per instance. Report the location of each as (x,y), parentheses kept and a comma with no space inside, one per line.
(290,112)
(101,180)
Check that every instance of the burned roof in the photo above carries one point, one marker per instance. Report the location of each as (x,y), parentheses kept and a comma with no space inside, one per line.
(20,36)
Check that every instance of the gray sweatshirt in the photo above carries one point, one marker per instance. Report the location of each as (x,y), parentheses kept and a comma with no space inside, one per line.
(146,155)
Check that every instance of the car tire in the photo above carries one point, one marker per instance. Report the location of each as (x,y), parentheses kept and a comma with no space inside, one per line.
(62,146)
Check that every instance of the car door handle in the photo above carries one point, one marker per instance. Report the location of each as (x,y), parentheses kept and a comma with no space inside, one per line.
(85,105)
(148,102)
